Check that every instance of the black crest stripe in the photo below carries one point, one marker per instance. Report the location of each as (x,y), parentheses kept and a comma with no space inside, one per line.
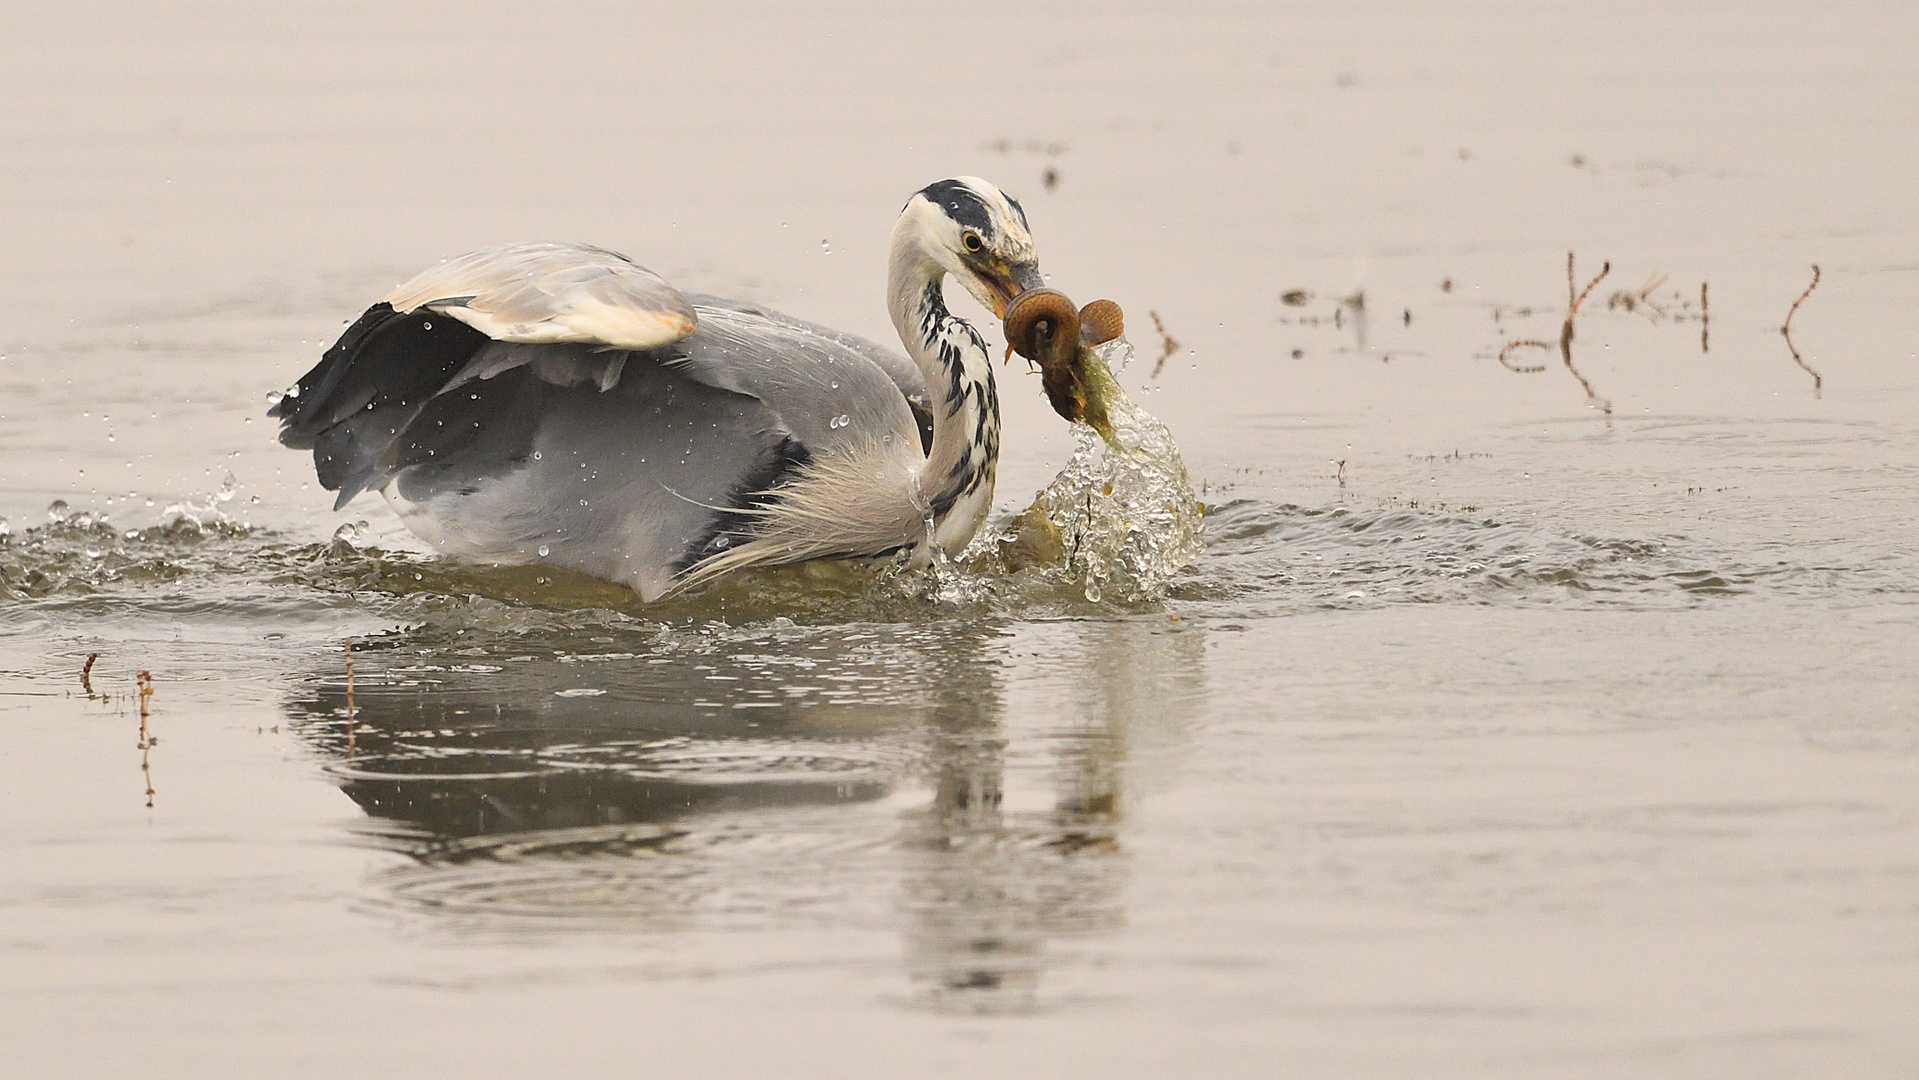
(962,204)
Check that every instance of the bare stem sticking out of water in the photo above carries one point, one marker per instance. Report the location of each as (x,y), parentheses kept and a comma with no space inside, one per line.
(1573,300)
(1785,331)
(1167,345)
(86,675)
(1575,296)
(144,680)
(1566,331)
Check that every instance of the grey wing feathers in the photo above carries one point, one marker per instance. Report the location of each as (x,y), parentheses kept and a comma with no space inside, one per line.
(557,397)
(904,374)
(827,394)
(552,294)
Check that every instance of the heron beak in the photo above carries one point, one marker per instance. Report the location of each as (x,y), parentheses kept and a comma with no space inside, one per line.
(1007,282)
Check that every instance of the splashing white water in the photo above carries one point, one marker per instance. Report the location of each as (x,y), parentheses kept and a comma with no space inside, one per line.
(1125,521)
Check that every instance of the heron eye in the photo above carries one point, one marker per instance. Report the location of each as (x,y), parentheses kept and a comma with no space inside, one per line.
(972,242)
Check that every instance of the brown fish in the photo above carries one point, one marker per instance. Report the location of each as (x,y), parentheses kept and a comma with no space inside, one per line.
(1043,326)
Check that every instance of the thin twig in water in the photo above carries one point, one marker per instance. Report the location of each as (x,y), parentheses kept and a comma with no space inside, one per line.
(1167,345)
(1573,301)
(1575,296)
(1529,343)
(1786,328)
(86,675)
(144,680)
(1785,331)
(1566,331)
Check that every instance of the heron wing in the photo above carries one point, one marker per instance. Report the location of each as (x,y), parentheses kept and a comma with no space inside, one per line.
(552,294)
(690,455)
(825,386)
(631,465)
(903,371)
(629,485)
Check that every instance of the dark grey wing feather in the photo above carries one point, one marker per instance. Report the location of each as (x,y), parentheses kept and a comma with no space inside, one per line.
(631,484)
(367,389)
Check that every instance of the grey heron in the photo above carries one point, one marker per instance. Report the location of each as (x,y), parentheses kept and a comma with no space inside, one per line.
(561,404)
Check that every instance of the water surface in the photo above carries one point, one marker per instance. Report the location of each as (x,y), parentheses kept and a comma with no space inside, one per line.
(1545,723)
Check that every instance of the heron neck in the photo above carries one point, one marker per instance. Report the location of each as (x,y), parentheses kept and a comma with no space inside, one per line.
(956,483)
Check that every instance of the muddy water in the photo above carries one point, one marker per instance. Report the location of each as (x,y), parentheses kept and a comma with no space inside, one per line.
(1529,723)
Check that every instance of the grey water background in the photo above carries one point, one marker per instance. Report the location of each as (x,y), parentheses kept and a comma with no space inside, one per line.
(1502,729)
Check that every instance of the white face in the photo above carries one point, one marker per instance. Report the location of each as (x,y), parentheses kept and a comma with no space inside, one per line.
(979,236)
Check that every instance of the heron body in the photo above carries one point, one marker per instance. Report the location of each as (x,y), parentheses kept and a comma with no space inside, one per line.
(561,404)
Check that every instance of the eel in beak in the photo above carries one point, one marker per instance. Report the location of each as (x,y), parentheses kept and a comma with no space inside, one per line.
(1043,326)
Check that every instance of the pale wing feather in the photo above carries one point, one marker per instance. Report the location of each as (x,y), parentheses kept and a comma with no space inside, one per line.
(865,502)
(549,294)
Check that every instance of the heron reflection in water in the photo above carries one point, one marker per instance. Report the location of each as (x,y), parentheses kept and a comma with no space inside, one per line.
(560,404)
(662,805)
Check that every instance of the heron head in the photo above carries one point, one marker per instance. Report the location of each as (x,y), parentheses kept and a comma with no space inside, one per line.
(978,234)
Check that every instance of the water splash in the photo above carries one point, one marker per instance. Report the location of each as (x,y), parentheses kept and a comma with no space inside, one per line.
(1121,523)
(351,535)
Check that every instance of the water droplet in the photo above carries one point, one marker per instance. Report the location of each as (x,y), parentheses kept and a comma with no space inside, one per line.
(228,488)
(536,455)
(350,533)
(293,391)
(844,420)
(274,397)
(426,325)
(57,510)
(6,529)
(543,551)
(254,501)
(722,541)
